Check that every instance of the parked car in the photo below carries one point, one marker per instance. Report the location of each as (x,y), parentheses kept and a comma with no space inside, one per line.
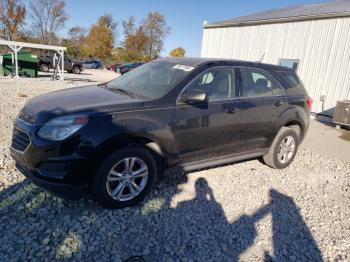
(113,67)
(71,66)
(131,66)
(193,113)
(92,64)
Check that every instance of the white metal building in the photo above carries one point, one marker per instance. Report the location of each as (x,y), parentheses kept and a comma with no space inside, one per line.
(314,39)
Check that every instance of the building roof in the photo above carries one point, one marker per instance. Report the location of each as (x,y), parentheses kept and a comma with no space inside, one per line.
(339,8)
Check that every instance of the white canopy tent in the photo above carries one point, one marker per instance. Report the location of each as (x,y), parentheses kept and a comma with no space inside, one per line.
(17,46)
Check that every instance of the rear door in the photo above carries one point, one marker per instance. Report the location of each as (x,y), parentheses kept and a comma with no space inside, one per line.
(263,100)
(210,129)
(67,64)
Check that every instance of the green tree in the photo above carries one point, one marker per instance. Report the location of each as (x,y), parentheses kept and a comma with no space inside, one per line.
(76,42)
(177,52)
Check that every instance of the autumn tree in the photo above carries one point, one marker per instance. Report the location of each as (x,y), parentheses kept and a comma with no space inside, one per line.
(156,29)
(48,16)
(100,39)
(135,41)
(177,52)
(12,14)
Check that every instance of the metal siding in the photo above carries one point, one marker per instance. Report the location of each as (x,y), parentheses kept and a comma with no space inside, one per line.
(322,47)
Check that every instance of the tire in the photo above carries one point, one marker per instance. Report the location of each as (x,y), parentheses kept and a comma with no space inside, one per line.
(275,158)
(113,167)
(44,68)
(76,70)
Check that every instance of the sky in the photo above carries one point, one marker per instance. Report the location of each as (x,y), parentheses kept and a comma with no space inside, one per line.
(185,17)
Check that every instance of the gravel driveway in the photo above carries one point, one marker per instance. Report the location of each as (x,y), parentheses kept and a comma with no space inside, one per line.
(246,211)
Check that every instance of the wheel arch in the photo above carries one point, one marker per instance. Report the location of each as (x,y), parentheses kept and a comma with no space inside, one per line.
(129,140)
(295,118)
(297,124)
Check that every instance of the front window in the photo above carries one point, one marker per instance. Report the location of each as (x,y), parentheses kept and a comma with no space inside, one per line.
(218,83)
(152,80)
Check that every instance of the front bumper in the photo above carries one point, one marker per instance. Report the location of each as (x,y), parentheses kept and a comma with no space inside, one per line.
(57,167)
(68,191)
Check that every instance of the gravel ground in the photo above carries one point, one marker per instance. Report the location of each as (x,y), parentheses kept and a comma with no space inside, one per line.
(245,211)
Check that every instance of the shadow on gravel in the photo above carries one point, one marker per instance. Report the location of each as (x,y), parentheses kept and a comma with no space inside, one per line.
(36,225)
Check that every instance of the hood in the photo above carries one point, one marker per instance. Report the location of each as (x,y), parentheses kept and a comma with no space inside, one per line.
(87,99)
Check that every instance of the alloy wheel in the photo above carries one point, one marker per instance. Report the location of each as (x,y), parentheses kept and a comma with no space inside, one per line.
(127,179)
(286,149)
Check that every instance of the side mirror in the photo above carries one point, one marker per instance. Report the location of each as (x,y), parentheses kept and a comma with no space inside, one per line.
(194,97)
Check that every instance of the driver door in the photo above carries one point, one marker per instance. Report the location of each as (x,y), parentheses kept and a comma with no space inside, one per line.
(210,129)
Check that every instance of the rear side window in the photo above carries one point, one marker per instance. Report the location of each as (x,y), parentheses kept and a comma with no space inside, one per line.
(292,78)
(256,83)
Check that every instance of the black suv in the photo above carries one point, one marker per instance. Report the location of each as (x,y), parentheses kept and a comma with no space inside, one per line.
(118,137)
(46,62)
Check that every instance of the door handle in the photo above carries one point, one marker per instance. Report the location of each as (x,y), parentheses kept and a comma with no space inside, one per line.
(231,110)
(279,103)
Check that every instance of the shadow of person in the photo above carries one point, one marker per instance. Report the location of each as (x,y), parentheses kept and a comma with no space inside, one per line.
(165,227)
(292,239)
(208,233)
(200,222)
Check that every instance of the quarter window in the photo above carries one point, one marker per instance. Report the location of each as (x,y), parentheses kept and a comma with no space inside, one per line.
(219,84)
(256,83)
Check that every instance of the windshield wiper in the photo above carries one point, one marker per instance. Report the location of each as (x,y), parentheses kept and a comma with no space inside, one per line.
(123,91)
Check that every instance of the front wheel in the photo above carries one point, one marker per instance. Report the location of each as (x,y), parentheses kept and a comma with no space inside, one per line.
(124,177)
(283,149)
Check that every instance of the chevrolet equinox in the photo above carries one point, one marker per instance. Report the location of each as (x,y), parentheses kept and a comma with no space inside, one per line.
(118,137)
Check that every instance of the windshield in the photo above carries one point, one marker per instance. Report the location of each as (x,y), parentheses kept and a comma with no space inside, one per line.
(152,80)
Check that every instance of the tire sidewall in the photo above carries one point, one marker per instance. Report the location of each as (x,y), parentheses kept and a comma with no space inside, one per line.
(76,70)
(100,178)
(287,132)
(44,68)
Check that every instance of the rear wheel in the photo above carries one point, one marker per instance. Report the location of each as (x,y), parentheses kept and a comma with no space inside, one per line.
(44,68)
(283,149)
(124,177)
(76,70)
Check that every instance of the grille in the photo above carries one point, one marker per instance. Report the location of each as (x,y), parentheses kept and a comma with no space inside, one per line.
(20,140)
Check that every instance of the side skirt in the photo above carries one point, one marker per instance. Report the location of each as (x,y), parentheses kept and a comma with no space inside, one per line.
(223,160)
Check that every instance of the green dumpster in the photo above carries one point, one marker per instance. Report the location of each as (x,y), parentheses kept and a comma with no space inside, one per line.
(27,64)
(1,70)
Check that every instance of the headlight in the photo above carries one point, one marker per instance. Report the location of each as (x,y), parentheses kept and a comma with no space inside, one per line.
(60,128)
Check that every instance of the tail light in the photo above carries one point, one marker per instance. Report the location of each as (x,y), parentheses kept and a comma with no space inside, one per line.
(309,103)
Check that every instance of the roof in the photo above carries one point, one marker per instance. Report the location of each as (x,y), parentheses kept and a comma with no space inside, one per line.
(197,61)
(189,61)
(339,8)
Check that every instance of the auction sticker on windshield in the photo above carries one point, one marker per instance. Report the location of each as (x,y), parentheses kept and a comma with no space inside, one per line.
(184,67)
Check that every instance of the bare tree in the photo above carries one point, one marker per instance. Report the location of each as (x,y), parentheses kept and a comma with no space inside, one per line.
(48,17)
(12,14)
(128,26)
(76,42)
(156,29)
